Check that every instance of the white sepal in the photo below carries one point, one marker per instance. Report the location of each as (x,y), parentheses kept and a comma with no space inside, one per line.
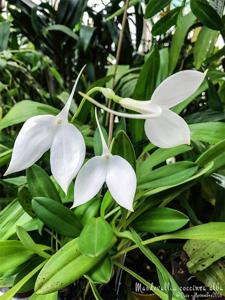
(89,180)
(121,181)
(177,88)
(105,149)
(33,140)
(168,130)
(67,154)
(65,111)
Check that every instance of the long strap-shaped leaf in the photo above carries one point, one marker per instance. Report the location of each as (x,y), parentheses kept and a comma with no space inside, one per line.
(165,276)
(10,293)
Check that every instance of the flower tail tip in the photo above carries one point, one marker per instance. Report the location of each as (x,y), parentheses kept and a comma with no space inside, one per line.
(128,208)
(188,142)
(8,172)
(74,206)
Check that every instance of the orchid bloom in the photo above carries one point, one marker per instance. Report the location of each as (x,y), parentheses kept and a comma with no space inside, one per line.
(118,174)
(165,128)
(44,132)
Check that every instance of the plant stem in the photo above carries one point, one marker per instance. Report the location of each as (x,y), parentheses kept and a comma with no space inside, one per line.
(112,212)
(110,117)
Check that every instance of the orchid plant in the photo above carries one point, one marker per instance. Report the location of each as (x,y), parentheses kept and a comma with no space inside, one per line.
(139,162)
(119,195)
(163,127)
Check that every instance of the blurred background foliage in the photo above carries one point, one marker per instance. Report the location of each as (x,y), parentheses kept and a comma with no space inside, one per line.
(42,48)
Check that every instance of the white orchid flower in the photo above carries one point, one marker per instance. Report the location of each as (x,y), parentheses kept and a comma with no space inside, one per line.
(44,132)
(113,170)
(165,128)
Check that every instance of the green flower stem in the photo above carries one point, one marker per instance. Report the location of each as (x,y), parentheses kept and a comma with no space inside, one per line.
(108,93)
(112,212)
(117,113)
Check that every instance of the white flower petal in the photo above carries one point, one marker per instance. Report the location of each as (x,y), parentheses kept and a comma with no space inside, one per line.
(121,181)
(89,180)
(177,88)
(34,138)
(67,154)
(168,130)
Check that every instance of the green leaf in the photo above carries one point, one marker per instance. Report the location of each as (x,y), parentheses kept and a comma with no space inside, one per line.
(86,33)
(166,22)
(59,79)
(24,198)
(57,265)
(28,243)
(204,45)
(167,282)
(147,79)
(87,211)
(25,269)
(102,272)
(40,185)
(160,220)
(96,237)
(52,296)
(57,274)
(159,156)
(17,181)
(11,216)
(154,6)
(206,14)
(24,110)
(122,146)
(5,156)
(201,132)
(164,65)
(4,35)
(214,277)
(106,204)
(12,255)
(64,29)
(215,154)
(70,12)
(212,231)
(10,293)
(183,25)
(208,115)
(202,254)
(168,175)
(56,216)
(195,176)
(214,100)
